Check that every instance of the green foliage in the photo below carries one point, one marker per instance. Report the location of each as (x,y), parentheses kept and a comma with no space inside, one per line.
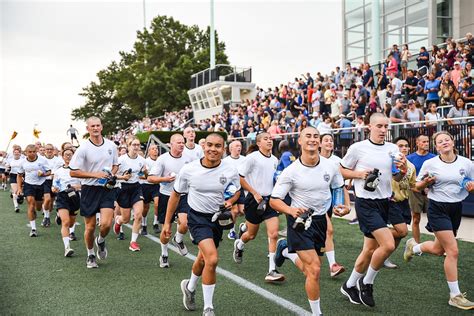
(156,72)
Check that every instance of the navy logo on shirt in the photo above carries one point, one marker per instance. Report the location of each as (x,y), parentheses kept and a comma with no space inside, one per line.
(462,172)
(110,152)
(326,177)
(222,179)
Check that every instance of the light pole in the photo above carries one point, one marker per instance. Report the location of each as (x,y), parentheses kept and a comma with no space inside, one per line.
(144,43)
(213,39)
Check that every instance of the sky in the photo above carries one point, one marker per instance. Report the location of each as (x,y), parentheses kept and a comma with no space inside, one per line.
(50,50)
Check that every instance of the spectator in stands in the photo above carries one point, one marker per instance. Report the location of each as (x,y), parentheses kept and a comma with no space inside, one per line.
(467,71)
(468,90)
(450,56)
(423,59)
(314,122)
(405,56)
(368,77)
(274,130)
(396,114)
(392,68)
(457,111)
(456,74)
(432,115)
(409,85)
(345,134)
(325,127)
(396,91)
(431,89)
(414,114)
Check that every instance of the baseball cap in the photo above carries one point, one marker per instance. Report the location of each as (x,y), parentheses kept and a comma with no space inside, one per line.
(333,86)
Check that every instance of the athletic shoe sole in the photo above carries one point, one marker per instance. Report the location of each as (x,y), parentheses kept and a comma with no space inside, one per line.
(338,272)
(69,253)
(348,296)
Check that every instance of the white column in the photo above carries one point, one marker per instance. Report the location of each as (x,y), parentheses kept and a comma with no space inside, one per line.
(375,40)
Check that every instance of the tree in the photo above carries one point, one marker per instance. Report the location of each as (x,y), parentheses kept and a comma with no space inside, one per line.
(157,72)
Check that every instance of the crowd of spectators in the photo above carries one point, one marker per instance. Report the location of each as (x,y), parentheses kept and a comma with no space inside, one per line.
(439,85)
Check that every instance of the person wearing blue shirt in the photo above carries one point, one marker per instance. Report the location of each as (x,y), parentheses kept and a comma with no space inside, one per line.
(432,88)
(345,135)
(418,200)
(423,58)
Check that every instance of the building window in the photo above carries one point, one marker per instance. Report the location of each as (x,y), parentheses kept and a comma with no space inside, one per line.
(444,20)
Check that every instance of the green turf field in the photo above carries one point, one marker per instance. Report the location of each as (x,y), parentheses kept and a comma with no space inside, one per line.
(36,279)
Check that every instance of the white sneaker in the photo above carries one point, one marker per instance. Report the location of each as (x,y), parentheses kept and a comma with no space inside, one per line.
(389,264)
(164,263)
(68,252)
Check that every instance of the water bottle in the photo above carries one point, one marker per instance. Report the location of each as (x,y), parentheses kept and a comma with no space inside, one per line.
(338,197)
(57,184)
(230,191)
(463,183)
(103,181)
(395,157)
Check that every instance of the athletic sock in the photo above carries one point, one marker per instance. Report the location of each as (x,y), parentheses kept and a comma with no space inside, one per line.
(240,244)
(454,288)
(33,224)
(134,237)
(164,250)
(208,293)
(46,214)
(355,276)
(118,221)
(417,249)
(178,237)
(192,284)
(155,220)
(331,256)
(90,252)
(271,262)
(144,221)
(100,239)
(15,202)
(71,229)
(291,256)
(370,276)
(315,308)
(121,228)
(66,242)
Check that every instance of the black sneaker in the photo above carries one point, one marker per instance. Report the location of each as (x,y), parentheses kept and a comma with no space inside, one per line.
(156,229)
(366,295)
(58,220)
(101,249)
(72,236)
(91,262)
(17,210)
(33,233)
(144,231)
(351,292)
(121,236)
(46,222)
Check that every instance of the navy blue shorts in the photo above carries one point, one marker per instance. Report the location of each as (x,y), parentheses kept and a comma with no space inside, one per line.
(444,216)
(47,184)
(183,206)
(13,178)
(372,214)
(94,198)
(312,238)
(36,191)
(150,191)
(201,227)
(2,171)
(129,194)
(241,199)
(63,201)
(399,212)
(253,215)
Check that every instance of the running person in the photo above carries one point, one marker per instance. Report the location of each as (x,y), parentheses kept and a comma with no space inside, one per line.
(73,133)
(448,178)
(327,151)
(3,169)
(68,199)
(150,192)
(164,172)
(372,206)
(399,214)
(418,200)
(130,195)
(256,177)
(54,163)
(191,149)
(309,182)
(205,199)
(13,164)
(34,170)
(235,158)
(95,162)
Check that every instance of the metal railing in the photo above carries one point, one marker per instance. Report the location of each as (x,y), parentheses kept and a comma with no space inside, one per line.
(221,73)
(344,137)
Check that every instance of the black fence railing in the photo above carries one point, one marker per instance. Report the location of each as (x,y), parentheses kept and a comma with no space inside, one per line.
(228,73)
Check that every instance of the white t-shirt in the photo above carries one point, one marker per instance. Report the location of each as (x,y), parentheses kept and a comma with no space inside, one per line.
(309,187)
(54,163)
(447,187)
(258,171)
(92,158)
(62,177)
(236,162)
(432,117)
(14,164)
(195,153)
(335,159)
(136,164)
(149,162)
(31,168)
(366,155)
(165,165)
(397,84)
(206,186)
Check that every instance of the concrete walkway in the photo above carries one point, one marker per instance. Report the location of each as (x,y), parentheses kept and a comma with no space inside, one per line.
(465,232)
